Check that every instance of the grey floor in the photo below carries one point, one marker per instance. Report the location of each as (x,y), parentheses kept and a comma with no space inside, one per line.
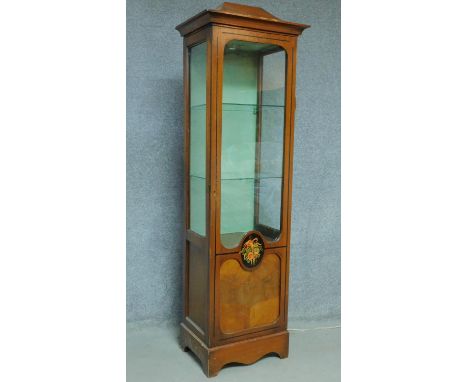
(153,354)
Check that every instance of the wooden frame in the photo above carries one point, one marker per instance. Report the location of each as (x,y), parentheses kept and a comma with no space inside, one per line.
(224,36)
(205,255)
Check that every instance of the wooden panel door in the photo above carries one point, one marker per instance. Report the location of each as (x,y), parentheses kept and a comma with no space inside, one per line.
(249,300)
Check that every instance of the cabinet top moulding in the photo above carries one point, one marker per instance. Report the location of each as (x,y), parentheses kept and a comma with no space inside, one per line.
(242,16)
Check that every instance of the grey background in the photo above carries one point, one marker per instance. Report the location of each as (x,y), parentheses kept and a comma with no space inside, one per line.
(155,158)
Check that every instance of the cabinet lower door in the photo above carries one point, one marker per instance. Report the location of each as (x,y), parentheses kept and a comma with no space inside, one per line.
(249,300)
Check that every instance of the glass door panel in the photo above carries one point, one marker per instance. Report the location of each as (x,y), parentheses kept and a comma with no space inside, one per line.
(252,140)
(197,148)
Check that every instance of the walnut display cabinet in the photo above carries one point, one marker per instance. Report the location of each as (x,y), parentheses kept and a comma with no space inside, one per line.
(239,84)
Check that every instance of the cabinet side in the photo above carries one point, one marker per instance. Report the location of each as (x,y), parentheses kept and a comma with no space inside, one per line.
(197,70)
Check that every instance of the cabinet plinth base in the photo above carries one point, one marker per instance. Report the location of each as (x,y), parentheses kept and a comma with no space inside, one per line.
(244,352)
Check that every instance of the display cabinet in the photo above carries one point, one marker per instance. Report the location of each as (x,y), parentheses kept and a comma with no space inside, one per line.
(239,83)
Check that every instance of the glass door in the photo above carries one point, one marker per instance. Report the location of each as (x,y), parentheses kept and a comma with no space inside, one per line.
(252,141)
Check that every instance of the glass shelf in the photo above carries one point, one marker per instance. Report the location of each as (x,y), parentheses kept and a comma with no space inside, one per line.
(259,177)
(238,107)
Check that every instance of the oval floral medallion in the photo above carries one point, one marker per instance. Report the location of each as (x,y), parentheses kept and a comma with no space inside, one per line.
(252,250)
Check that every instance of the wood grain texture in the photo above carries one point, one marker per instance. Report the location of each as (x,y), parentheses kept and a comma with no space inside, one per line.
(249,299)
(254,279)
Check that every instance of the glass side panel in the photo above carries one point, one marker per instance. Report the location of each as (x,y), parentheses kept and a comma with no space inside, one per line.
(197,148)
(252,140)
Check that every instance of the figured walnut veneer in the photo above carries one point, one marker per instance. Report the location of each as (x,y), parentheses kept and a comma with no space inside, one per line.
(249,299)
